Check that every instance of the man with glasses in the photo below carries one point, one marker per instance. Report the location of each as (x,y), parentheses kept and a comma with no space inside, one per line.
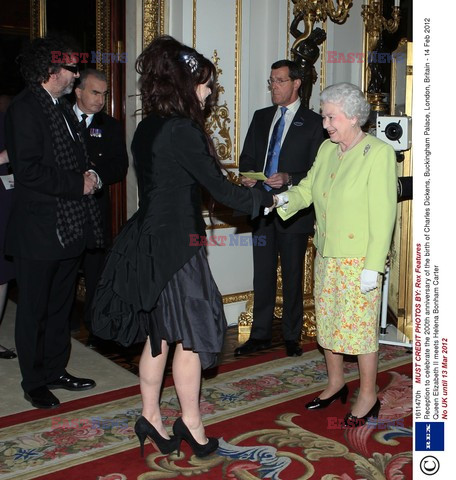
(108,159)
(54,218)
(282,142)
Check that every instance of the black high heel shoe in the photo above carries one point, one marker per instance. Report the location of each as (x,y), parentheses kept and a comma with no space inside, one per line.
(182,432)
(353,421)
(317,402)
(143,429)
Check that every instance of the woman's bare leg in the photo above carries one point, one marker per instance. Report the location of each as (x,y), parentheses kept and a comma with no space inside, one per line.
(187,379)
(335,367)
(151,371)
(368,364)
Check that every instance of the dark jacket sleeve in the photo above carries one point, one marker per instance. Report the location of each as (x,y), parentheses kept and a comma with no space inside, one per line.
(192,153)
(316,139)
(29,146)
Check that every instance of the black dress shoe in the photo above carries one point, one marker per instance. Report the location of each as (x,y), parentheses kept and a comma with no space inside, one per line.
(93,341)
(293,349)
(317,402)
(41,397)
(69,382)
(7,354)
(252,345)
(352,421)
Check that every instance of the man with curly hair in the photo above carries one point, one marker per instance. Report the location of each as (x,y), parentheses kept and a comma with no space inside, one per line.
(54,218)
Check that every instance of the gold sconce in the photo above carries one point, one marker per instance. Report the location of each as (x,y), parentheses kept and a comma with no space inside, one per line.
(304,50)
(375,23)
(311,11)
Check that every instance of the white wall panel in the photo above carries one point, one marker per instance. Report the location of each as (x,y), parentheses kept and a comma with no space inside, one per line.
(345,39)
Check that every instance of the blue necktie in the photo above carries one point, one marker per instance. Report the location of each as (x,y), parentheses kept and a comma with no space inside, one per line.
(272,161)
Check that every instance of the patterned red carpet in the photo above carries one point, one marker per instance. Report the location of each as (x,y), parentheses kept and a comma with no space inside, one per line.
(256,409)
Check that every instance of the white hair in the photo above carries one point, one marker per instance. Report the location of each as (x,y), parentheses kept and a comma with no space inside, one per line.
(349,98)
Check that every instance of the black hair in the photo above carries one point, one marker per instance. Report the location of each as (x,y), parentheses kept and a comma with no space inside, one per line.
(293,68)
(170,72)
(38,62)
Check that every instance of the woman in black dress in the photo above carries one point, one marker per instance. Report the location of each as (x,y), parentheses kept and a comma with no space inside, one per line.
(156,285)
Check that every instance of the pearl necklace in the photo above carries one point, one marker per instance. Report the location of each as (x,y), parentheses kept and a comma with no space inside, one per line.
(355,141)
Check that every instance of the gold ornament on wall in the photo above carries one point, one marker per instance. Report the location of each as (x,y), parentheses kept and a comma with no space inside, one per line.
(153,20)
(218,123)
(375,24)
(311,11)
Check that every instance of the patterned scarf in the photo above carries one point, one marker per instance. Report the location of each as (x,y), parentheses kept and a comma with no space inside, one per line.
(71,214)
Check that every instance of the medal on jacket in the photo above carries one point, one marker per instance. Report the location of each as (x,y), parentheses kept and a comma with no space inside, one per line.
(95,132)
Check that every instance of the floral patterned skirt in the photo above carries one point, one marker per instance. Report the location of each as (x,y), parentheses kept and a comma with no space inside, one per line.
(347,320)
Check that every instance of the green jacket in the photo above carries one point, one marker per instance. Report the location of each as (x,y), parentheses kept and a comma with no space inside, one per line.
(355,201)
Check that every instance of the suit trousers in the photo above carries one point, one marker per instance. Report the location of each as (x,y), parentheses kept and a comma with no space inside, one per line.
(92,266)
(292,249)
(46,295)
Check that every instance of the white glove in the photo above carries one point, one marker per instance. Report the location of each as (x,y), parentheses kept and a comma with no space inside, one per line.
(369,280)
(279,200)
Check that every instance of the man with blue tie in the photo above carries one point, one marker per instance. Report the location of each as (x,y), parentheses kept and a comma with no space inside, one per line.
(282,141)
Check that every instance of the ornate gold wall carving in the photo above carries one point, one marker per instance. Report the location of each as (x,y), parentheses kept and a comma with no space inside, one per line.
(374,26)
(194,24)
(236,297)
(103,42)
(218,123)
(227,149)
(237,83)
(153,20)
(401,279)
(37,18)
(311,11)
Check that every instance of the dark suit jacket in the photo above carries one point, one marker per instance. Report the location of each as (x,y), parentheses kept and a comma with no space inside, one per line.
(297,155)
(39,182)
(108,157)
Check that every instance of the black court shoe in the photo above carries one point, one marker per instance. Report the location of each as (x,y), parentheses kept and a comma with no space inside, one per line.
(317,402)
(182,432)
(352,421)
(143,429)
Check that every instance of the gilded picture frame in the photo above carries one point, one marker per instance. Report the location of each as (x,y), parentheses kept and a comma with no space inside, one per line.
(401,291)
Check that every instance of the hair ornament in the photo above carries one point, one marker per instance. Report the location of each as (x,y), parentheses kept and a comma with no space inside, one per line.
(190,60)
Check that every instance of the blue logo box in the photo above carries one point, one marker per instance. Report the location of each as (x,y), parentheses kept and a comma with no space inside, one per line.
(429,436)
